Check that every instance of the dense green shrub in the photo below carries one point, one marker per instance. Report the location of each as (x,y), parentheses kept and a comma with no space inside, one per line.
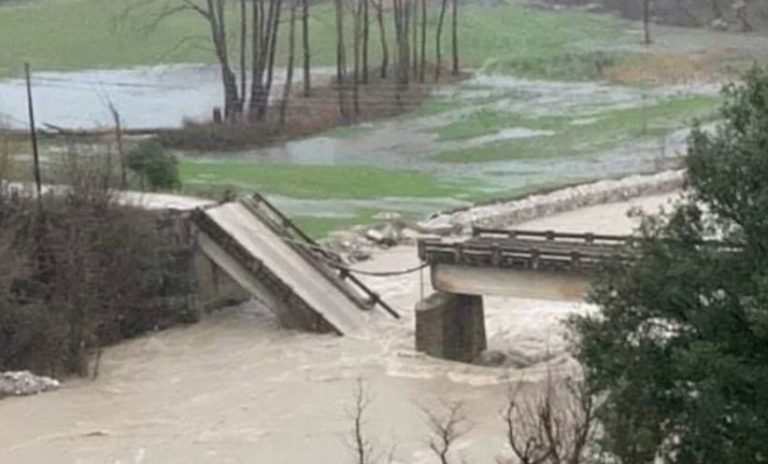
(79,271)
(679,349)
(157,169)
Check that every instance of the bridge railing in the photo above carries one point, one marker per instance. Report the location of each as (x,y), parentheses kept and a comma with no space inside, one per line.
(512,255)
(551,235)
(299,237)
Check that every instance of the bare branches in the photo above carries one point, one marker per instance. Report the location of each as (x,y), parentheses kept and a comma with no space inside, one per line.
(446,427)
(554,427)
(361,446)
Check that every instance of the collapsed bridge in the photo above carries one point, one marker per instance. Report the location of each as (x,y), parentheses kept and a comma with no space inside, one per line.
(269,256)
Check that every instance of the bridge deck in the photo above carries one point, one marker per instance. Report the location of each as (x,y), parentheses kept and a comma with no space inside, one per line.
(515,249)
(251,243)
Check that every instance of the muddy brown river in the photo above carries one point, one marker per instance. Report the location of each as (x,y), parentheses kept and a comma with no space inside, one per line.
(236,388)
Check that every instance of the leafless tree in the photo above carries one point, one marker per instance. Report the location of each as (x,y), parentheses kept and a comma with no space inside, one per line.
(307,51)
(455,37)
(265,28)
(647,22)
(366,37)
(556,426)
(289,67)
(446,427)
(360,444)
(423,66)
(378,4)
(120,146)
(341,59)
(439,40)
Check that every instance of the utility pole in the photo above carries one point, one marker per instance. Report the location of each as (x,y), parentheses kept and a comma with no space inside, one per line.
(33,136)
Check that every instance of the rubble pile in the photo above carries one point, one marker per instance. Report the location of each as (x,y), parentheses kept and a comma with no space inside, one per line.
(23,383)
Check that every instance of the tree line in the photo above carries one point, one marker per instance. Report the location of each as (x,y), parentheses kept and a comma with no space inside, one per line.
(247,54)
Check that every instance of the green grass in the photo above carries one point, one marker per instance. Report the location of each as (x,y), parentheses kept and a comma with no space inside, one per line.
(609,130)
(317,181)
(88,34)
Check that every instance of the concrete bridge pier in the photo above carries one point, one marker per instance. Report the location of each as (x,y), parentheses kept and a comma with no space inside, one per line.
(451,326)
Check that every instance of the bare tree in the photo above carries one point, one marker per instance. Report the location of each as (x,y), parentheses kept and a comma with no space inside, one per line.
(289,69)
(439,39)
(120,147)
(647,22)
(554,427)
(307,52)
(341,60)
(357,12)
(366,37)
(455,37)
(415,37)
(243,49)
(359,443)
(423,67)
(383,37)
(266,24)
(446,427)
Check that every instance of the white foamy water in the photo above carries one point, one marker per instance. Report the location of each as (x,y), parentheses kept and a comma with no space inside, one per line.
(236,388)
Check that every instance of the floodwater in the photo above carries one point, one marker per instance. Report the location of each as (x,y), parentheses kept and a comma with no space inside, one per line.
(146,97)
(236,388)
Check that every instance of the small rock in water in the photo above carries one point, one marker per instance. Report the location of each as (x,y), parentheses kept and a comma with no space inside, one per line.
(491,358)
(22,383)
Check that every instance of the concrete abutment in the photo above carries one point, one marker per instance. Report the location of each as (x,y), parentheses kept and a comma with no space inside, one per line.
(451,326)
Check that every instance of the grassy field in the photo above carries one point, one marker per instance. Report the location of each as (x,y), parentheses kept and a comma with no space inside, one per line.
(573,135)
(87,34)
(317,181)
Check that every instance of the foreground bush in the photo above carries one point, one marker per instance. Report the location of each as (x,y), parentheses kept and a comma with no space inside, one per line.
(679,350)
(78,271)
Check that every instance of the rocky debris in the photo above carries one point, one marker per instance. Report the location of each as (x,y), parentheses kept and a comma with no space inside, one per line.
(506,214)
(719,24)
(23,383)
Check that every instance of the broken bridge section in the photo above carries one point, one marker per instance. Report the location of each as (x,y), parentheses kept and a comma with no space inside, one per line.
(524,264)
(264,252)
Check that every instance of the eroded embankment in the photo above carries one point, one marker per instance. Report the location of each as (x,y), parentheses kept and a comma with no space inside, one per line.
(505,214)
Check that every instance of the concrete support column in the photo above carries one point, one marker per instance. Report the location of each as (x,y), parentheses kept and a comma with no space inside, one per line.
(451,326)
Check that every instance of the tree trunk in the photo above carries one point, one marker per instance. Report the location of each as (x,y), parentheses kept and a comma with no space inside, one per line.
(307,56)
(272,52)
(438,41)
(356,45)
(366,38)
(216,21)
(243,52)
(456,68)
(423,67)
(415,38)
(383,36)
(265,32)
(647,22)
(289,70)
(341,60)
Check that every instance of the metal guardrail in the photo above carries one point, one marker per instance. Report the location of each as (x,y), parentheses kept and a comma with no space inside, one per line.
(286,225)
(553,236)
(521,249)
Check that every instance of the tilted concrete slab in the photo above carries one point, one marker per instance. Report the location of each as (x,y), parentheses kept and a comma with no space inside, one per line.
(468,280)
(313,289)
